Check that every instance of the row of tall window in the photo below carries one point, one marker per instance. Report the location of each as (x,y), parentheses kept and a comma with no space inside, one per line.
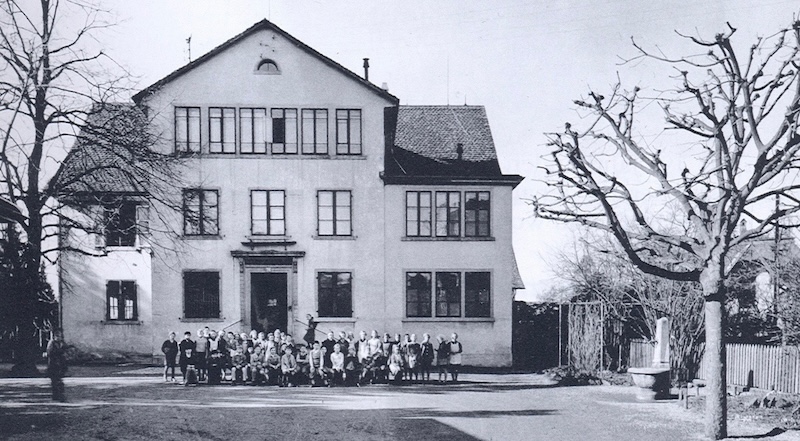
(447,218)
(441,294)
(279,131)
(267,212)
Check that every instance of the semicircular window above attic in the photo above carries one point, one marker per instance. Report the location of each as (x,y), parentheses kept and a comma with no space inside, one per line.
(268,66)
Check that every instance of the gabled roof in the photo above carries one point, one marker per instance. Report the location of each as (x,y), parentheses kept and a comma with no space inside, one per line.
(102,159)
(426,141)
(262,25)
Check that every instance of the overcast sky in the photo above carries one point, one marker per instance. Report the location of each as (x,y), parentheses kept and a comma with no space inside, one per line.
(525,61)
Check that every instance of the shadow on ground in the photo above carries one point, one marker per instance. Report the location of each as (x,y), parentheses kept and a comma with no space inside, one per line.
(772,433)
(129,408)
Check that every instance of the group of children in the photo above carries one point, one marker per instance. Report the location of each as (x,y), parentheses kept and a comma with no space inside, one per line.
(275,359)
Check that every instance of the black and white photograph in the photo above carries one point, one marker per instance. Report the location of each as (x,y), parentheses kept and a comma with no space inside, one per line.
(399,220)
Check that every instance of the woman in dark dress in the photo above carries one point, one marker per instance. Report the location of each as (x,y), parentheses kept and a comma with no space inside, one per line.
(311,328)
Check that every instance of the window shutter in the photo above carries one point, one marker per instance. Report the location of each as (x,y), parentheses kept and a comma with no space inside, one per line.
(143,220)
(99,215)
(185,292)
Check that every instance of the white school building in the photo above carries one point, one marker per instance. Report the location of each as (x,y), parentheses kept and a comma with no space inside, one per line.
(307,190)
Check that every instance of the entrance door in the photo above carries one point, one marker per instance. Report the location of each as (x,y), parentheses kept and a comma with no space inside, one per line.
(268,292)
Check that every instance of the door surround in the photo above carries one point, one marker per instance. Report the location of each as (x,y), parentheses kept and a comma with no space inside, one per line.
(251,262)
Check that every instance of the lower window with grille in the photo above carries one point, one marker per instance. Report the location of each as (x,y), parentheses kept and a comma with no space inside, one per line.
(335,291)
(201,294)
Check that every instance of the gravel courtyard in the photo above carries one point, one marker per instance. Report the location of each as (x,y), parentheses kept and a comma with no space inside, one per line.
(138,405)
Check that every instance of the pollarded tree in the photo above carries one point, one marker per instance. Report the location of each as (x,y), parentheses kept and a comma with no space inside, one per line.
(58,88)
(735,148)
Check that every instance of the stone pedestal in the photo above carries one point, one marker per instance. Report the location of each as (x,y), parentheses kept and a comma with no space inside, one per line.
(661,352)
(652,383)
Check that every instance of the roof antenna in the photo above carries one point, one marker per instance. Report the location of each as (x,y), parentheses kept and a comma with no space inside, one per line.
(189,45)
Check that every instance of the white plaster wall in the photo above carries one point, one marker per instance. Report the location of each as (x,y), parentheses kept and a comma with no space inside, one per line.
(486,342)
(83,297)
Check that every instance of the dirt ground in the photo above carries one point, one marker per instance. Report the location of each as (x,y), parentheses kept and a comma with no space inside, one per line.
(128,403)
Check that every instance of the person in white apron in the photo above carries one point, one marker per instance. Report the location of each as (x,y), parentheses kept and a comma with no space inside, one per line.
(455,356)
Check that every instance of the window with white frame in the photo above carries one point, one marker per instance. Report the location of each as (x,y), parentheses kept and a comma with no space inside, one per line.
(187,130)
(448,294)
(120,223)
(446,218)
(334,213)
(477,208)
(441,294)
(315,131)
(268,212)
(477,294)
(200,212)
(252,130)
(448,213)
(418,294)
(121,300)
(284,131)
(348,132)
(222,130)
(418,213)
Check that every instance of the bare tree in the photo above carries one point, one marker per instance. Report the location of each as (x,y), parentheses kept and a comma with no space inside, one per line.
(738,110)
(58,88)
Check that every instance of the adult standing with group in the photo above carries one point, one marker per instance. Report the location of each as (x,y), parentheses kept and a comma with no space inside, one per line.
(57,365)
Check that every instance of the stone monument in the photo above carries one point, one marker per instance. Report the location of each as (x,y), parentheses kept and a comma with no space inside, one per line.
(653,382)
(661,352)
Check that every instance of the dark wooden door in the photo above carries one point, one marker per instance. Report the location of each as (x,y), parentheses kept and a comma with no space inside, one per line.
(268,295)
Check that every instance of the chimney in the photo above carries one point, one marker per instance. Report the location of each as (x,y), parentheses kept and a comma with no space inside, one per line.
(366,69)
(385,86)
(460,151)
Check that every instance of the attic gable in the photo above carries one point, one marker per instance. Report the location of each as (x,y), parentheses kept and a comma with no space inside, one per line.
(258,27)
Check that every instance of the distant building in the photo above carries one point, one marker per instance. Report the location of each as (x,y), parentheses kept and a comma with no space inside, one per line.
(308,190)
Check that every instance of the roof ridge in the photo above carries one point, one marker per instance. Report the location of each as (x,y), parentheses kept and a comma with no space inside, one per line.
(445,106)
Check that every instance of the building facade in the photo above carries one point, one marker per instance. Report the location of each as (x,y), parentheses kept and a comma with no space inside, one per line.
(306,189)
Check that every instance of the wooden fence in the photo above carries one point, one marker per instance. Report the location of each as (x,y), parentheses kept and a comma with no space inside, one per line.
(760,366)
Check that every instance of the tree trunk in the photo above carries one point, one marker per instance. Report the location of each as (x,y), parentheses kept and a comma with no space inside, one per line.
(26,348)
(716,418)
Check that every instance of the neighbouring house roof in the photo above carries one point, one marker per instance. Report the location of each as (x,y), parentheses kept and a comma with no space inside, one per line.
(263,25)
(102,159)
(442,142)
(763,249)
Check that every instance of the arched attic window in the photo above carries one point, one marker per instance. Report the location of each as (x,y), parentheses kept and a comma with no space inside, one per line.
(267,66)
